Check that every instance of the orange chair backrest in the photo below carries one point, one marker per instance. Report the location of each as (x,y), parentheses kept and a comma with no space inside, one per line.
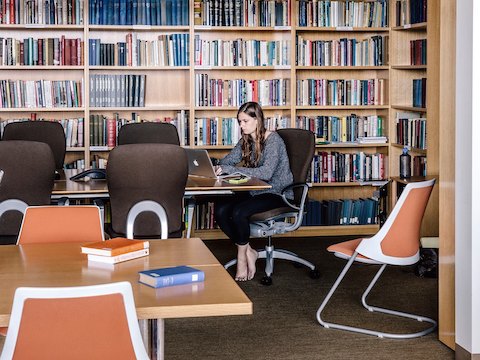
(403,237)
(60,224)
(93,327)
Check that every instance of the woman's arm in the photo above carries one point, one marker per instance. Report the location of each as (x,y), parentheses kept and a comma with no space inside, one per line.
(233,157)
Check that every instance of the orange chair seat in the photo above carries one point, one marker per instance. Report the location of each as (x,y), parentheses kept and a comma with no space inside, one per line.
(347,248)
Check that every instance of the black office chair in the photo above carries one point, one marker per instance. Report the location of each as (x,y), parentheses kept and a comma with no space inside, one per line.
(300,146)
(28,174)
(138,172)
(148,132)
(48,132)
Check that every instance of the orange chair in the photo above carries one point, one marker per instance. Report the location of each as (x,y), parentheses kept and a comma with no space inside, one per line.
(85,322)
(396,243)
(55,224)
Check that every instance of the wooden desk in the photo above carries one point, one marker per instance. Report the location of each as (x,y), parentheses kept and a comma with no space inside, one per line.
(196,186)
(49,265)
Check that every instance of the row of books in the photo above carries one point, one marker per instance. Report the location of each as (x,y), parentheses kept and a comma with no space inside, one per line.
(332,13)
(410,12)
(418,52)
(342,128)
(49,51)
(75,164)
(241,52)
(411,131)
(41,93)
(73,128)
(138,12)
(235,92)
(419,92)
(330,167)
(226,131)
(168,50)
(204,216)
(104,129)
(419,165)
(342,52)
(41,12)
(325,92)
(242,12)
(341,212)
(117,90)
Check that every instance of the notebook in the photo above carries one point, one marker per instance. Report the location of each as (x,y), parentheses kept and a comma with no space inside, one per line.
(199,164)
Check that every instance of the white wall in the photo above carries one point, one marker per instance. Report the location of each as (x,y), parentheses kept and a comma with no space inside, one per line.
(467,178)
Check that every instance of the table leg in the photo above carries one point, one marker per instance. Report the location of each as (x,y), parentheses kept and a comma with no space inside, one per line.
(153,331)
(190,209)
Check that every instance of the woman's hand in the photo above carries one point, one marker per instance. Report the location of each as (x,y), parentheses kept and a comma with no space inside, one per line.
(218,170)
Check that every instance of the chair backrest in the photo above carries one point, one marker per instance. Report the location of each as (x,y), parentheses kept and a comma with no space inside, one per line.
(398,241)
(148,132)
(28,175)
(85,322)
(300,146)
(60,224)
(48,132)
(138,172)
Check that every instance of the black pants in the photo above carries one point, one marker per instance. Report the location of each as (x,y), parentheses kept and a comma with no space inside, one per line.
(233,213)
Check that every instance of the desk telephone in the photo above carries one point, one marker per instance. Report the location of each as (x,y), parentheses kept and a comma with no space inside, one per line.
(93,174)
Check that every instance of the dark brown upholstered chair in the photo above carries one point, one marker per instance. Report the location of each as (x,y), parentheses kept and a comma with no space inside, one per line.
(148,132)
(29,170)
(300,146)
(156,172)
(48,132)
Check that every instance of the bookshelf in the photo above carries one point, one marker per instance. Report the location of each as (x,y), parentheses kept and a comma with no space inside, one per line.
(190,87)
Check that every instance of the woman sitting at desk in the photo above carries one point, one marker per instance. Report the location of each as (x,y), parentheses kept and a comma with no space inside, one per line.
(261,154)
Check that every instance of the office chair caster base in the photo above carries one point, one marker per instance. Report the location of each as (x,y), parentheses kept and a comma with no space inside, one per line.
(266,280)
(314,274)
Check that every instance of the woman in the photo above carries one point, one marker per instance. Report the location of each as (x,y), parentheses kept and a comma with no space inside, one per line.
(261,154)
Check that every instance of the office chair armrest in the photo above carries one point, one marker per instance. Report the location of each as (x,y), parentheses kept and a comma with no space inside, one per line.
(292,187)
(12,204)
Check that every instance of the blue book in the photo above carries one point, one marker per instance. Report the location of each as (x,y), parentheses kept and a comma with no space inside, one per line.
(170,276)
(123,12)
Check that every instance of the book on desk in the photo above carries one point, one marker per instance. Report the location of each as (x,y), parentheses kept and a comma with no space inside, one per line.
(177,275)
(116,250)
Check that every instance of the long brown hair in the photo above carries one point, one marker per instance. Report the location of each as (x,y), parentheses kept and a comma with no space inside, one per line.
(253,110)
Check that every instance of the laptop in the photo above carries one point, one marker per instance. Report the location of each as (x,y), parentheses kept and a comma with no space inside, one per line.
(199,164)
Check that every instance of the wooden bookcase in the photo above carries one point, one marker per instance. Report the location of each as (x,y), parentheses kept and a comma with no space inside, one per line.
(170,89)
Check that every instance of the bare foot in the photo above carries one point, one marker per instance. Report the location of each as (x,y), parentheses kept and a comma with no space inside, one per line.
(242,263)
(252,256)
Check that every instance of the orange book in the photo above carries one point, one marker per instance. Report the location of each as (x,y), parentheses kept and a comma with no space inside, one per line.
(114,247)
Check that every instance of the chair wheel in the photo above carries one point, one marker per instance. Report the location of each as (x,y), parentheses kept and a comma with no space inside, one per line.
(314,274)
(266,280)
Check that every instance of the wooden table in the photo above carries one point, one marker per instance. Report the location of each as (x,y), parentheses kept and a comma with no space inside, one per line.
(196,186)
(48,265)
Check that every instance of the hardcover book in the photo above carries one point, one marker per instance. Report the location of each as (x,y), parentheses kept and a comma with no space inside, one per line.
(170,276)
(114,247)
(119,258)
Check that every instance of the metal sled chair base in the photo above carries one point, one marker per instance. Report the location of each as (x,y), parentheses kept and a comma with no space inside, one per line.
(372,309)
(269,254)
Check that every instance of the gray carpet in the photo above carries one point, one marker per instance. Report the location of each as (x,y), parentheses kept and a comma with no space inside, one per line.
(284,326)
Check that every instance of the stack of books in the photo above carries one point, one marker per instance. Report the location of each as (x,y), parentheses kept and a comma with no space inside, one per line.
(116,250)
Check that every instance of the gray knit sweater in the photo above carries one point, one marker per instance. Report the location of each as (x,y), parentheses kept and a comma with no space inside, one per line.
(273,168)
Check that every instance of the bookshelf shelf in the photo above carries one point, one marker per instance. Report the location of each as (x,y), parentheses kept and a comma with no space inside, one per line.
(341,29)
(141,68)
(342,68)
(411,149)
(410,108)
(137,28)
(75,149)
(241,68)
(41,67)
(231,108)
(146,108)
(342,107)
(241,28)
(411,27)
(409,67)
(42,27)
(35,110)
(351,145)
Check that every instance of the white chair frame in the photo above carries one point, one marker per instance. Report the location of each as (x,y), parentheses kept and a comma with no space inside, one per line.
(151,206)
